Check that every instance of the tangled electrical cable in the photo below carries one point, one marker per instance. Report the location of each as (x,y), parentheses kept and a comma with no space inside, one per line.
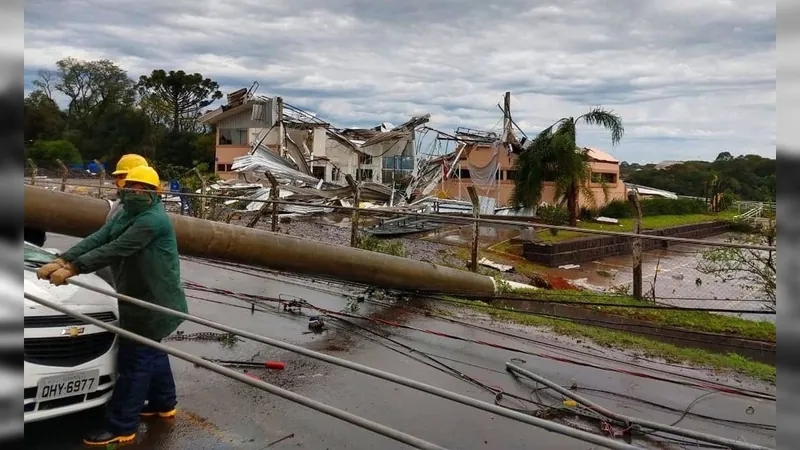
(699,385)
(543,410)
(259,273)
(642,328)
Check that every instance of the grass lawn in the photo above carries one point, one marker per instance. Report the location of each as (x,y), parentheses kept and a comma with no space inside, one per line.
(690,320)
(648,223)
(503,254)
(639,344)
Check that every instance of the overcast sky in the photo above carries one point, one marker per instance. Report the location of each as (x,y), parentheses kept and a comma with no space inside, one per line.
(690,78)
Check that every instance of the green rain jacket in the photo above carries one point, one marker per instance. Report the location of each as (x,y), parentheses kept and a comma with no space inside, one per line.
(143,255)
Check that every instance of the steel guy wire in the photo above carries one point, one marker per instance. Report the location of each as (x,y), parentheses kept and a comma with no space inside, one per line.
(442,393)
(259,384)
(465,219)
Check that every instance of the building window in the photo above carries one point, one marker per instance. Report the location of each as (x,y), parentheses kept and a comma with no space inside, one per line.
(366,160)
(233,136)
(336,174)
(223,167)
(463,173)
(511,174)
(604,177)
(318,172)
(365,175)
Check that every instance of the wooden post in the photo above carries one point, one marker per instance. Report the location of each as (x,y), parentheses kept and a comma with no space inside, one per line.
(102,178)
(34,171)
(354,217)
(64,174)
(476,213)
(633,198)
(281,128)
(506,117)
(202,212)
(274,194)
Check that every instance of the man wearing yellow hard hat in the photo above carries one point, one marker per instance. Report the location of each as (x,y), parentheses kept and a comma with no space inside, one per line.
(139,245)
(124,165)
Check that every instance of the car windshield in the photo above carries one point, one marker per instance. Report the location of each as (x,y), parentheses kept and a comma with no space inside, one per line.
(34,254)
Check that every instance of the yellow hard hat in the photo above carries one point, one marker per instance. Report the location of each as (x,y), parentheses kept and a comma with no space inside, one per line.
(128,162)
(145,175)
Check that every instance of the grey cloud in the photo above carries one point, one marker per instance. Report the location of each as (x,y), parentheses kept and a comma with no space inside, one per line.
(362,62)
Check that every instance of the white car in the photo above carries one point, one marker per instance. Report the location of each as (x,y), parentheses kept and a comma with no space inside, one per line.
(69,364)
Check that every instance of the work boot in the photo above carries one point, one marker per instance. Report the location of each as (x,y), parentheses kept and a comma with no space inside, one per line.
(149,411)
(105,438)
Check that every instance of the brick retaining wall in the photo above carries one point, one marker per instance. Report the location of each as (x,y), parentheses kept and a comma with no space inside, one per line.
(575,251)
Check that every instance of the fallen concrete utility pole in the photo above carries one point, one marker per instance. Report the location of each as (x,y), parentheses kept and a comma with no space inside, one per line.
(358,421)
(80,216)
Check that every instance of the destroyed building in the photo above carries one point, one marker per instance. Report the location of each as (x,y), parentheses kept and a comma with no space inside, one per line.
(482,160)
(268,127)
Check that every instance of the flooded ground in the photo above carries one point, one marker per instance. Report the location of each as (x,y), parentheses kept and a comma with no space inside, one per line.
(462,236)
(219,413)
(671,274)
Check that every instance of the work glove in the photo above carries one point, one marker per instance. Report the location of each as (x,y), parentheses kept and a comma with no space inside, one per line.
(60,276)
(48,269)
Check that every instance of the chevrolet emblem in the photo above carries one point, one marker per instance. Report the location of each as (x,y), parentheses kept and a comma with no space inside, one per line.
(72,331)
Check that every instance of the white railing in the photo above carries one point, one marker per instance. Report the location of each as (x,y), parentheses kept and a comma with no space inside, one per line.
(752,213)
(747,206)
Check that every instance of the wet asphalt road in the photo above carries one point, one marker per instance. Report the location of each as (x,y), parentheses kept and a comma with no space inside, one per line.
(219,413)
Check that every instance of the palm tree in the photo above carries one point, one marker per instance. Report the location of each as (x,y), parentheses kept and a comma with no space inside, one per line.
(554,156)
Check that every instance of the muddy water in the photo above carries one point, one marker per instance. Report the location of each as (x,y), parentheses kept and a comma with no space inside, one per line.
(462,236)
(671,274)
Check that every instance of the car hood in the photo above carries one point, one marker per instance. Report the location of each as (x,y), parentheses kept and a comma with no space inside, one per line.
(67,295)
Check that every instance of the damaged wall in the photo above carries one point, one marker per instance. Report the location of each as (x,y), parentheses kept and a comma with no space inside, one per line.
(343,157)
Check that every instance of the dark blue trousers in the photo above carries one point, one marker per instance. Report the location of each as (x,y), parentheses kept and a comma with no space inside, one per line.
(143,374)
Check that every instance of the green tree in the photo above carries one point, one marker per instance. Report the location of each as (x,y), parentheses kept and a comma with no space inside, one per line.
(45,153)
(752,270)
(724,156)
(748,176)
(92,87)
(183,95)
(554,156)
(98,93)
(43,119)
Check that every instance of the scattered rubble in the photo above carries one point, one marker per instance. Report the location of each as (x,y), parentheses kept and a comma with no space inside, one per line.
(501,267)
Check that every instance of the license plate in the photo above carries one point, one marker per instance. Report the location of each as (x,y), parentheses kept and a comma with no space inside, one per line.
(67,385)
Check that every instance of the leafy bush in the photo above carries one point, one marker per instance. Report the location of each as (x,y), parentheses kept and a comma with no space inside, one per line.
(587,214)
(727,201)
(618,209)
(670,207)
(373,244)
(553,215)
(655,207)
(45,153)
